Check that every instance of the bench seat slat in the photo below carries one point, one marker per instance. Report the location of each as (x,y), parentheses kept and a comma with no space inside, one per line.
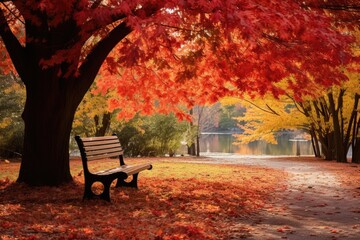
(99,147)
(110,150)
(102,156)
(131,169)
(128,169)
(99,138)
(137,168)
(99,143)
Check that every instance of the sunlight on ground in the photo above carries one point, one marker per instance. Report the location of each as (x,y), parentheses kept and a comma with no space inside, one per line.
(175,200)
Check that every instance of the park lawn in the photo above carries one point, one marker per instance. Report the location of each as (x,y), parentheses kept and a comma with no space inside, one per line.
(175,200)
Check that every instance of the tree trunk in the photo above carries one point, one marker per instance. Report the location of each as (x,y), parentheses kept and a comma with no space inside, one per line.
(356,151)
(197,145)
(355,144)
(191,149)
(340,152)
(48,116)
(327,146)
(355,138)
(101,129)
(315,143)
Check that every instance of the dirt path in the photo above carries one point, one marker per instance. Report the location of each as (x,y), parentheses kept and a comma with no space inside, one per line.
(314,206)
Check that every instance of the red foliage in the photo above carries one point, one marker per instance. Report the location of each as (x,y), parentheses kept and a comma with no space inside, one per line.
(192,52)
(230,48)
(168,205)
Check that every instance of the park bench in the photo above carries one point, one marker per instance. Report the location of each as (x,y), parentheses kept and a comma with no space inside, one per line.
(96,148)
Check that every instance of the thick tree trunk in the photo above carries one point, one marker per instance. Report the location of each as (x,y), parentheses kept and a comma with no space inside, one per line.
(48,117)
(328,146)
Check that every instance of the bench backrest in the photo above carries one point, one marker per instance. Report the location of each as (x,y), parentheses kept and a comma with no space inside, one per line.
(94,148)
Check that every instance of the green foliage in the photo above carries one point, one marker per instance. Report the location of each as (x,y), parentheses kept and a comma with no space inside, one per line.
(228,114)
(12,96)
(155,135)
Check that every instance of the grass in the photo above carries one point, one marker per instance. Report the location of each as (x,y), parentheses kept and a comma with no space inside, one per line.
(175,200)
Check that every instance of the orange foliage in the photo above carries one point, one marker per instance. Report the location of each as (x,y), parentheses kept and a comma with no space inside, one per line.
(175,200)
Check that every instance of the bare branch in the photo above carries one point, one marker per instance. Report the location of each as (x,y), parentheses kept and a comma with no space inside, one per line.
(297,104)
(350,8)
(13,46)
(271,111)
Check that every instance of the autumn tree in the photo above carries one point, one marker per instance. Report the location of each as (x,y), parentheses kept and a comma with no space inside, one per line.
(169,52)
(93,118)
(266,116)
(331,119)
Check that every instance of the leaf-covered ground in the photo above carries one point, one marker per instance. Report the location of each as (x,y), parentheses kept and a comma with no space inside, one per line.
(321,201)
(175,200)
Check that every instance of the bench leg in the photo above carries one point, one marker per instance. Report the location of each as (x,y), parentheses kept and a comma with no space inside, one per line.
(105,195)
(121,182)
(89,194)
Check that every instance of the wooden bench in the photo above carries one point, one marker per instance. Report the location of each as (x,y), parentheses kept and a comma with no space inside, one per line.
(95,148)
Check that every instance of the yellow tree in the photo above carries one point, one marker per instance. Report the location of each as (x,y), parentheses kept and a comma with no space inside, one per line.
(266,116)
(331,118)
(93,116)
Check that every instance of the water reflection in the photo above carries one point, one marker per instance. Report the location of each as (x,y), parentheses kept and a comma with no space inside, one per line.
(224,143)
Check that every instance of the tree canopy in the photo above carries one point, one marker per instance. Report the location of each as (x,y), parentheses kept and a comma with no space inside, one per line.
(222,45)
(162,55)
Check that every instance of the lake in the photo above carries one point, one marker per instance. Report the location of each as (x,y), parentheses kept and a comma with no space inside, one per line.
(225,143)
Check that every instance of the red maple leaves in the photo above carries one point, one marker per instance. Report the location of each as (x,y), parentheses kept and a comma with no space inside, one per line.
(172,203)
(181,53)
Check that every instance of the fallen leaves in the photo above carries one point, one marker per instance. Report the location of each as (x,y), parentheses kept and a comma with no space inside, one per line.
(174,201)
(284,229)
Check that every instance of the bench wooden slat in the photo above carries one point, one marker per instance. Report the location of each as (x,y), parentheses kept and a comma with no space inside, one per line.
(128,169)
(99,143)
(119,150)
(99,147)
(137,168)
(102,156)
(99,138)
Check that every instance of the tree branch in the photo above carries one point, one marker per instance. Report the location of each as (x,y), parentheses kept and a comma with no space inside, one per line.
(297,104)
(350,8)
(90,67)
(13,46)
(93,61)
(271,111)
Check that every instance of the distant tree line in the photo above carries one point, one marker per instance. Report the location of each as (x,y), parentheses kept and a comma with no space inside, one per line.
(155,135)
